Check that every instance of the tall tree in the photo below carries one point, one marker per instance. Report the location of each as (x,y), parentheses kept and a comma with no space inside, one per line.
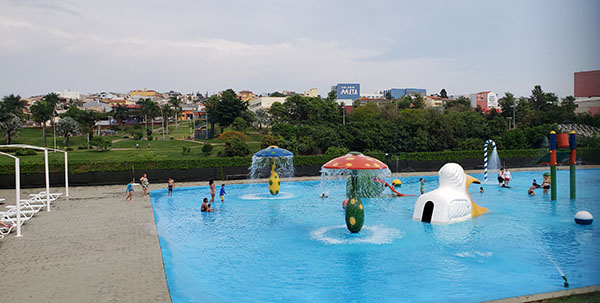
(443,93)
(166,112)
(12,126)
(12,104)
(175,104)
(120,113)
(462,103)
(41,112)
(210,104)
(388,95)
(262,118)
(229,108)
(86,119)
(418,101)
(67,127)
(568,105)
(149,109)
(507,104)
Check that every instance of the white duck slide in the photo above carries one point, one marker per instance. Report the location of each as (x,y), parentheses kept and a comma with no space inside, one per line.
(450,202)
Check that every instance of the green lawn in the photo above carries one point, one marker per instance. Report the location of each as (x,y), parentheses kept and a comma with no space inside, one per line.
(124,149)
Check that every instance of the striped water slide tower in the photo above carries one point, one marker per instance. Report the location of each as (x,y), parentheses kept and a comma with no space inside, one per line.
(485,158)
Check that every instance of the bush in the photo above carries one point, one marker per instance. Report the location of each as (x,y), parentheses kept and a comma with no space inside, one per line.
(150,138)
(82,147)
(235,147)
(137,126)
(69,149)
(232,134)
(114,127)
(100,143)
(337,151)
(25,152)
(138,135)
(186,150)
(207,149)
(267,141)
(149,133)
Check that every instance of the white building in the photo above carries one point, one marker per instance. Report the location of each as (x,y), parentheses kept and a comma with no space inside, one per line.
(373,96)
(264,103)
(68,94)
(313,92)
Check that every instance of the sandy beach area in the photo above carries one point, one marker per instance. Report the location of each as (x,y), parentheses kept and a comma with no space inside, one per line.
(96,247)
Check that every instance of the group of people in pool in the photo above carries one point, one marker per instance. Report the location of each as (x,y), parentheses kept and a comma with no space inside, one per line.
(504,178)
(545,186)
(206,204)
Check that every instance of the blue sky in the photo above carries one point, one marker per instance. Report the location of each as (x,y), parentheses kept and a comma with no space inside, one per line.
(266,45)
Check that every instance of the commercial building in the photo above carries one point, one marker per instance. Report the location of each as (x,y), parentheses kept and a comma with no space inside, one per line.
(400,92)
(587,84)
(434,101)
(136,95)
(486,100)
(246,95)
(264,103)
(313,92)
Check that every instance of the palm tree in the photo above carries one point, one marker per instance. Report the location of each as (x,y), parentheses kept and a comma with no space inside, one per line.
(12,104)
(120,113)
(149,109)
(165,111)
(176,105)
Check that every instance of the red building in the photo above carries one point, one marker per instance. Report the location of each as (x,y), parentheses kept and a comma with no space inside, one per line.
(587,84)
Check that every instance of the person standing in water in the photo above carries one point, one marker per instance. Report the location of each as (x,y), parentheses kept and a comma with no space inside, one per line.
(211,183)
(170,186)
(507,177)
(422,185)
(500,176)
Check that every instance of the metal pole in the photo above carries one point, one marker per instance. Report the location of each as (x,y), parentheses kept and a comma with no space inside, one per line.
(18,195)
(553,166)
(573,162)
(66,175)
(54,128)
(47,178)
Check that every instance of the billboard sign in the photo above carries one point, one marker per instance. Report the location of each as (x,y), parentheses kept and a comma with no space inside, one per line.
(348,91)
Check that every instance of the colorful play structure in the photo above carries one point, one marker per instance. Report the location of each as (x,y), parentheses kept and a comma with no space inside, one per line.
(562,141)
(365,179)
(274,158)
(450,202)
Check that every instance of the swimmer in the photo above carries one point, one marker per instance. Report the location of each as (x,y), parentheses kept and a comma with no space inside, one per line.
(531,190)
(324,195)
(481,190)
(204,207)
(422,185)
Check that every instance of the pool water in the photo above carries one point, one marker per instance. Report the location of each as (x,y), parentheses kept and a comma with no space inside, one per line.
(295,247)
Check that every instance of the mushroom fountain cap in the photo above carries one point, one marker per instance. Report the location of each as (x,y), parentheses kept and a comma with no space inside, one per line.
(355,160)
(273,152)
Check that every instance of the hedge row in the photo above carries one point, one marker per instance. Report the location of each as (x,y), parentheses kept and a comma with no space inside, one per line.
(149,164)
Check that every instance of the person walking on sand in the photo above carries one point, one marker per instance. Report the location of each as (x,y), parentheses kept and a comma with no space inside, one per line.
(211,183)
(129,191)
(222,193)
(422,185)
(170,186)
(145,183)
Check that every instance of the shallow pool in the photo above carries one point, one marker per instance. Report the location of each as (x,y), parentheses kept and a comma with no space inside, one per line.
(295,247)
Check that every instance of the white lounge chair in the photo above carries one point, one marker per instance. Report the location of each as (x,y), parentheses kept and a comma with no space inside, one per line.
(53,196)
(29,206)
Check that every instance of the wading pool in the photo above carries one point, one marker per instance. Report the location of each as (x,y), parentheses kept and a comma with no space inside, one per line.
(294,247)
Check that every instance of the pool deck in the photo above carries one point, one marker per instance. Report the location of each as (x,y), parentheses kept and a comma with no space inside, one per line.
(97,247)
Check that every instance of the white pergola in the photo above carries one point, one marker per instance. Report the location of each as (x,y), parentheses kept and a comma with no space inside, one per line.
(46,170)
(17,191)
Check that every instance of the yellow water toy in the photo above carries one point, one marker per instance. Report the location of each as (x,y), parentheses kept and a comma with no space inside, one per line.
(274,181)
(396,183)
(451,201)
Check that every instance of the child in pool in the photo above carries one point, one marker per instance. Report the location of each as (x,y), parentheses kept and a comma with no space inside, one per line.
(222,193)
